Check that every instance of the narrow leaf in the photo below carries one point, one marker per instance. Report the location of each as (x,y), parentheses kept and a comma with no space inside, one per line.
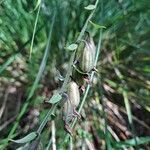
(53,116)
(34,29)
(72,47)
(27,138)
(78,70)
(8,62)
(90,7)
(35,145)
(127,105)
(97,26)
(131,142)
(55,98)
(37,4)
(43,62)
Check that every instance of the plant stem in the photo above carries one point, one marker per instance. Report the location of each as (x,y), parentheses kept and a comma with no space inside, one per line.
(127,104)
(103,103)
(69,71)
(71,143)
(53,136)
(34,30)
(73,54)
(40,72)
(46,118)
(88,87)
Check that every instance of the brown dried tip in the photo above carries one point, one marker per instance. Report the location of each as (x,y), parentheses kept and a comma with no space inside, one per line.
(68,129)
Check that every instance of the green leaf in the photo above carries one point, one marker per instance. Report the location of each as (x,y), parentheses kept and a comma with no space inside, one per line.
(55,98)
(53,116)
(27,138)
(43,62)
(90,7)
(131,142)
(97,26)
(72,47)
(8,62)
(78,70)
(127,105)
(37,4)
(35,27)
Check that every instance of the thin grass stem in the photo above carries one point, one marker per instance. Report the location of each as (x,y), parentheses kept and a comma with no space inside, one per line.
(67,78)
(34,30)
(38,77)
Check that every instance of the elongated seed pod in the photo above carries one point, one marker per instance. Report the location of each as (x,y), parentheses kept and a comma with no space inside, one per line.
(87,59)
(92,46)
(67,112)
(72,102)
(73,93)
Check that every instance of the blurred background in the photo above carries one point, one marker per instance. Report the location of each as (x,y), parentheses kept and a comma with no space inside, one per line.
(117,109)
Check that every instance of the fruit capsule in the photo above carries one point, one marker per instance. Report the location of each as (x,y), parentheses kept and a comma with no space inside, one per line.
(91,44)
(69,108)
(73,93)
(87,59)
(88,55)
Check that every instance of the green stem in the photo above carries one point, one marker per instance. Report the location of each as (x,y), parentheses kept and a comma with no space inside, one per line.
(34,30)
(40,72)
(49,145)
(127,104)
(73,55)
(88,87)
(129,114)
(103,103)
(86,23)
(67,78)
(45,120)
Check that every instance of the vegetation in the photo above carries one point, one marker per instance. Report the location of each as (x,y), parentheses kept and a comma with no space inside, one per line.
(39,45)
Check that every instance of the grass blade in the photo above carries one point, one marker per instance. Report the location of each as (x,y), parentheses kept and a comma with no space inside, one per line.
(34,30)
(131,142)
(38,77)
(8,62)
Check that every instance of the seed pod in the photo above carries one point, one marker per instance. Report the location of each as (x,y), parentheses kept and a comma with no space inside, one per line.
(91,44)
(87,59)
(67,112)
(73,93)
(71,103)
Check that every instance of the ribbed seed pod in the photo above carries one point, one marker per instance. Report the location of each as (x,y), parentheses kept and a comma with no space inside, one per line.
(92,46)
(67,112)
(87,59)
(72,102)
(73,93)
